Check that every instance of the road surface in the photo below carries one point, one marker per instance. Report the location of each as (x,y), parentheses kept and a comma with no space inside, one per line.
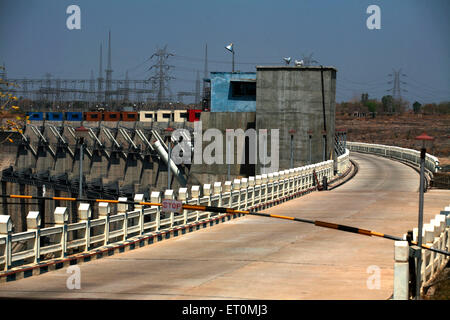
(263,258)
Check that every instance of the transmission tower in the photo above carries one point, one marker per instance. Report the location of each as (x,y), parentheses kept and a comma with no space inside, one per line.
(396,89)
(197,88)
(108,72)
(205,70)
(160,79)
(100,78)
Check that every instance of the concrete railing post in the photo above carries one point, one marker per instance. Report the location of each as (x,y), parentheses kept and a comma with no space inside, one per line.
(168,195)
(428,239)
(34,224)
(61,218)
(244,191)
(155,197)
(258,184)
(85,214)
(6,227)
(104,210)
(401,270)
(207,192)
(183,196)
(122,208)
(264,187)
(237,188)
(195,194)
(217,189)
(227,189)
(251,184)
(139,197)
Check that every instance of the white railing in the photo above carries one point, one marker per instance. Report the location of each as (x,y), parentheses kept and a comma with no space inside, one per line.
(63,238)
(436,235)
(343,162)
(431,162)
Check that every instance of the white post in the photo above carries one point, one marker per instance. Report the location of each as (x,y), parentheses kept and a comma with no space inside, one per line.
(401,270)
(428,238)
(218,191)
(168,195)
(61,219)
(6,232)
(122,208)
(139,197)
(251,184)
(195,194)
(84,214)
(207,194)
(244,183)
(237,187)
(103,211)
(156,198)
(227,189)
(34,224)
(183,196)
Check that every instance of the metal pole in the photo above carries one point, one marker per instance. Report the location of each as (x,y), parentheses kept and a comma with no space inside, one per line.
(233,61)
(228,159)
(80,192)
(419,235)
(168,164)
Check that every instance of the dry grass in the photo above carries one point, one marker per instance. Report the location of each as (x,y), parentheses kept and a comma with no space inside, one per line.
(400,131)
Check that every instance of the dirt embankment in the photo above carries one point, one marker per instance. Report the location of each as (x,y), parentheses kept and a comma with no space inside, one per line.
(401,131)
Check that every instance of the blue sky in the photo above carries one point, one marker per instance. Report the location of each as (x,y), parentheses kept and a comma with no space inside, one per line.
(414,36)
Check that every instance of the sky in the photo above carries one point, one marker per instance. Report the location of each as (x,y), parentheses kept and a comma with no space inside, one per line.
(414,37)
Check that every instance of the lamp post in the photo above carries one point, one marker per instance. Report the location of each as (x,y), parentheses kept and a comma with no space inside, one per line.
(425,141)
(231,49)
(81,133)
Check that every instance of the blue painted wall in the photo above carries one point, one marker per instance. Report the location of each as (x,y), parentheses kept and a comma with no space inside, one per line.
(221,98)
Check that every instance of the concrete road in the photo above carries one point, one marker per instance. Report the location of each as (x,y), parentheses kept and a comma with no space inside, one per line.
(262,258)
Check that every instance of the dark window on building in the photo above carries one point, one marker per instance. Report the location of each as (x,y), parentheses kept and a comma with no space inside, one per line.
(243,89)
(94,116)
(166,115)
(149,116)
(183,115)
(75,116)
(113,116)
(197,115)
(131,115)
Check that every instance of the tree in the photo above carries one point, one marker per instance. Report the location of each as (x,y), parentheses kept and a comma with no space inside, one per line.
(387,102)
(364,98)
(9,109)
(416,107)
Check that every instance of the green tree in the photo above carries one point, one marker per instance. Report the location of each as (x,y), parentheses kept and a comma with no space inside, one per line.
(387,102)
(416,107)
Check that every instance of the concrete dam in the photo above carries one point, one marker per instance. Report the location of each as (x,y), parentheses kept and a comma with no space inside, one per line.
(125,158)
